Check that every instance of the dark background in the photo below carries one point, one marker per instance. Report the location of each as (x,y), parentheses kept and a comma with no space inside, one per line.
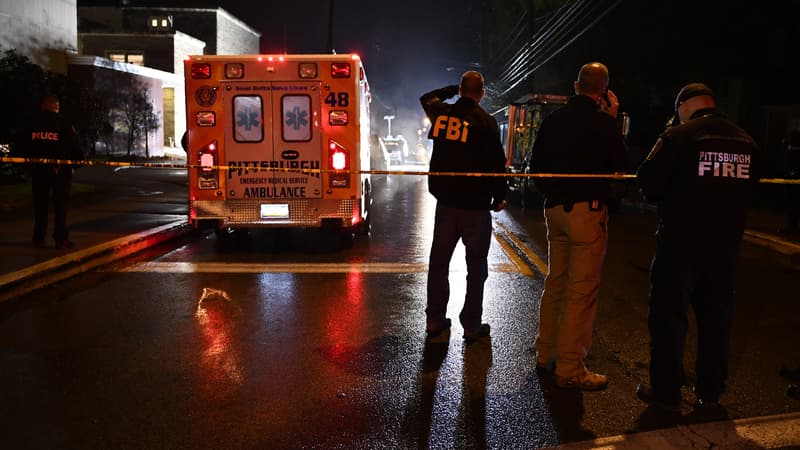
(746,51)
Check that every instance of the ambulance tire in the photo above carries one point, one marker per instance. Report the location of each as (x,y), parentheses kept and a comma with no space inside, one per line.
(347,239)
(227,235)
(364,227)
(334,239)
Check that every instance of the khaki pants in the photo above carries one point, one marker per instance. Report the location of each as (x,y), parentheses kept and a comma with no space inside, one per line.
(577,243)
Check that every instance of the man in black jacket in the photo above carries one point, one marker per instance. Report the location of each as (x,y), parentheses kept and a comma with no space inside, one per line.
(581,137)
(702,173)
(49,136)
(465,139)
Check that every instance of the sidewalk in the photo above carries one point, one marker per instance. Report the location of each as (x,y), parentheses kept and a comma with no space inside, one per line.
(103,231)
(763,229)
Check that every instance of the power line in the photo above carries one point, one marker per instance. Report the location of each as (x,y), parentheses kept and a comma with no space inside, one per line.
(524,53)
(541,48)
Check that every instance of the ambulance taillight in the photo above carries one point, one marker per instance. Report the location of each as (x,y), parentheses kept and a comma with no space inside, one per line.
(339,160)
(208,175)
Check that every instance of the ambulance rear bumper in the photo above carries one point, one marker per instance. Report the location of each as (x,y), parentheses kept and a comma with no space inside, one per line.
(307,213)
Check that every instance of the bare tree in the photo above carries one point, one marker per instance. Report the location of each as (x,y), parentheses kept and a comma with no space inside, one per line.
(136,114)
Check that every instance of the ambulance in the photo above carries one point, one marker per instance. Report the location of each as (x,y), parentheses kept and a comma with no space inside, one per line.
(278,141)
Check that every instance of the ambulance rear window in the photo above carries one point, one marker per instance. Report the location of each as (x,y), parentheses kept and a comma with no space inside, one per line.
(248,116)
(296,112)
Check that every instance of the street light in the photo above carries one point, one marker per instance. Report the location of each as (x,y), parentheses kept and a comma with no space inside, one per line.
(388,120)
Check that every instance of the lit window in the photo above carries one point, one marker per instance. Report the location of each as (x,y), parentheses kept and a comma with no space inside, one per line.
(136,59)
(154,23)
(164,23)
(118,57)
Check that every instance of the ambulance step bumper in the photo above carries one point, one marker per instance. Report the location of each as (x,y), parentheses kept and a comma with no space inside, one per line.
(301,213)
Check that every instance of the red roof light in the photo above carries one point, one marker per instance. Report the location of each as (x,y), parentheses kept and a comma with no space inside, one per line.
(201,71)
(340,70)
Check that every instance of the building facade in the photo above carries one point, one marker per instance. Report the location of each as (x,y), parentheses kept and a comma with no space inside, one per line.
(46,31)
(160,39)
(143,45)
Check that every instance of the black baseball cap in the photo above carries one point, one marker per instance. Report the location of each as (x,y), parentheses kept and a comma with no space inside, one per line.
(692,90)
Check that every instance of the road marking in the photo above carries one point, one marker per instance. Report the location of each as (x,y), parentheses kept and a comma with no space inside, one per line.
(513,256)
(540,263)
(219,267)
(782,245)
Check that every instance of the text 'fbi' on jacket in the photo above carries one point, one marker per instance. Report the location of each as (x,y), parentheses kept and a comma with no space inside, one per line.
(454,128)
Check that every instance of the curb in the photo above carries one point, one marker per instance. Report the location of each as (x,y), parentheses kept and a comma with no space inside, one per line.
(776,431)
(772,241)
(57,269)
(761,238)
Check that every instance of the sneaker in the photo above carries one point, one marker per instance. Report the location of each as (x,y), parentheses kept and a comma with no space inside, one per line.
(434,329)
(66,243)
(477,333)
(793,391)
(548,367)
(645,394)
(587,381)
(792,374)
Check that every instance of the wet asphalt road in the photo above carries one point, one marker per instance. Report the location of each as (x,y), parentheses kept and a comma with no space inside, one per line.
(286,340)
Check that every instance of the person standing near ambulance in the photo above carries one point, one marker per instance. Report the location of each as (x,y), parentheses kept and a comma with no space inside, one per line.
(50,136)
(465,139)
(703,173)
(581,137)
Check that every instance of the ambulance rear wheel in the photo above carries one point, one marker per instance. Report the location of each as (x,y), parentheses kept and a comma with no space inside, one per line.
(227,234)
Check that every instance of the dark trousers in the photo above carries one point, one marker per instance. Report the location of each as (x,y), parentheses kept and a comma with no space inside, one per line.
(705,280)
(474,228)
(47,183)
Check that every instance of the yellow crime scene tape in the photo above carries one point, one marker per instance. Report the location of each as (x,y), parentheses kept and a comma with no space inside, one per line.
(614,176)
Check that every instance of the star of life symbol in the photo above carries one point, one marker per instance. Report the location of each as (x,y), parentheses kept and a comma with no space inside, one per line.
(248,119)
(297,118)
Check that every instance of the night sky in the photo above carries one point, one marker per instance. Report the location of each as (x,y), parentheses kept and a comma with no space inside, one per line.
(408,47)
(746,50)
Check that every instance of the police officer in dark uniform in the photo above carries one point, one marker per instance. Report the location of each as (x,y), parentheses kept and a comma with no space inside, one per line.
(702,173)
(465,139)
(50,136)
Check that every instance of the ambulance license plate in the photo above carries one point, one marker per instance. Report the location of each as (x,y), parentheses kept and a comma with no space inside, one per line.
(275,211)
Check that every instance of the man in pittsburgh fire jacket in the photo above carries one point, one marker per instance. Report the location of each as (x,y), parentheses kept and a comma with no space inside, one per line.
(702,173)
(465,139)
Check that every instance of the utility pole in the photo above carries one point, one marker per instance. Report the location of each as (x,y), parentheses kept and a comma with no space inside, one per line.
(330,28)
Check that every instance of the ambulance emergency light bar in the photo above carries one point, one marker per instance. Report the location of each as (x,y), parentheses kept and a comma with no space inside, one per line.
(202,71)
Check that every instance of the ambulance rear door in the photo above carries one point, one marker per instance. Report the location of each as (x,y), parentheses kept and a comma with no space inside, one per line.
(272,135)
